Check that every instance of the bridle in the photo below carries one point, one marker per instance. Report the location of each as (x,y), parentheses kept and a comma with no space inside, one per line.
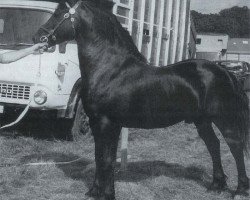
(70,14)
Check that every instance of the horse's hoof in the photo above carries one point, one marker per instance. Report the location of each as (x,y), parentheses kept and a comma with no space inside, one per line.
(238,194)
(107,197)
(242,191)
(93,192)
(218,187)
(243,188)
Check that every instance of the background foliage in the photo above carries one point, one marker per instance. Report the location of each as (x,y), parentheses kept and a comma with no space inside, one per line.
(234,21)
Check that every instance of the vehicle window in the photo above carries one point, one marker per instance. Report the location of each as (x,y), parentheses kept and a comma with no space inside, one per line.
(18,25)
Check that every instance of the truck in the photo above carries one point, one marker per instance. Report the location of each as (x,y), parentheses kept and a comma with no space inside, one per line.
(49,82)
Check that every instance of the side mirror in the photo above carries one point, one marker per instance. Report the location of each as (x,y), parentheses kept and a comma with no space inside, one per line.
(62,47)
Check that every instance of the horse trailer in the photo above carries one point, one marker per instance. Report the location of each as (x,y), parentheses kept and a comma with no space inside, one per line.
(161,29)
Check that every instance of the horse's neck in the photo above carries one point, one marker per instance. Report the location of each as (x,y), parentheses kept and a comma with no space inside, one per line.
(101,55)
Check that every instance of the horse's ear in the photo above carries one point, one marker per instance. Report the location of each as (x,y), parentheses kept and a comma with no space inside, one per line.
(106,4)
(110,5)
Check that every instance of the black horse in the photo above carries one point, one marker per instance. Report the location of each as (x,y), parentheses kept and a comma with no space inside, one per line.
(120,89)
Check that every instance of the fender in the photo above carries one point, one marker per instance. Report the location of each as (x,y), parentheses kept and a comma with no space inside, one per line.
(73,100)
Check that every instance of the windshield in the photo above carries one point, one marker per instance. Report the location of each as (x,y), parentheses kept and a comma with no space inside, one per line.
(18,25)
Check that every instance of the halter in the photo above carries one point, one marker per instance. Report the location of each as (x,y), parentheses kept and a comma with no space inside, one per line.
(70,14)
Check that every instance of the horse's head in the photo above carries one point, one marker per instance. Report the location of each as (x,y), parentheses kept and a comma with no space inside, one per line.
(69,18)
(62,24)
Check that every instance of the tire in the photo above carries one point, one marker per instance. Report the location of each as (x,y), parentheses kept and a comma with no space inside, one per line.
(80,124)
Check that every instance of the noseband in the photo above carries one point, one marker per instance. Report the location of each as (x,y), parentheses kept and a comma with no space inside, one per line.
(70,14)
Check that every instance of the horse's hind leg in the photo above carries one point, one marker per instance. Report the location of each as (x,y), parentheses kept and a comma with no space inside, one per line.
(206,132)
(235,144)
(106,136)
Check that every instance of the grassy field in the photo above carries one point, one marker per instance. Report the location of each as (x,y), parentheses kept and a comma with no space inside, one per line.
(164,164)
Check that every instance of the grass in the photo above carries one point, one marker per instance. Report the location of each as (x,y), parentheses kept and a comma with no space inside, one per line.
(164,164)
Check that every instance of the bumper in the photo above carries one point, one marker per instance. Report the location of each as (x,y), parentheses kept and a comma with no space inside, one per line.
(56,103)
(14,110)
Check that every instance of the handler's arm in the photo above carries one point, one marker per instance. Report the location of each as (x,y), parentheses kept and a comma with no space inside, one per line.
(16,55)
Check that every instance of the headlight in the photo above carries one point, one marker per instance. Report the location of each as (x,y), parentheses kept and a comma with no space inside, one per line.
(40,97)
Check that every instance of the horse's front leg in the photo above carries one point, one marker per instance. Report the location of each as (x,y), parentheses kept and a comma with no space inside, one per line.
(106,136)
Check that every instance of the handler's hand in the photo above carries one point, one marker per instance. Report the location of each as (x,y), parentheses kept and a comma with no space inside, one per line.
(40,47)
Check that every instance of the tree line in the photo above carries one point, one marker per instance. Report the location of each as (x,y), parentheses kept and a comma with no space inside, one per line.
(234,21)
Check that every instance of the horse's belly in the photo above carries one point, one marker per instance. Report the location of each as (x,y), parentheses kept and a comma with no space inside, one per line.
(158,114)
(149,121)
(161,123)
(148,114)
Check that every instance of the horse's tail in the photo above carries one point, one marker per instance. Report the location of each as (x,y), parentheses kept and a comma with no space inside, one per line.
(240,113)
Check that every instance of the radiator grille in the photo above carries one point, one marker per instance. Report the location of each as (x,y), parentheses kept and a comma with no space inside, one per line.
(14,91)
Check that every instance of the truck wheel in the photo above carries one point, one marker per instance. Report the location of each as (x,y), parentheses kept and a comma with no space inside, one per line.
(80,123)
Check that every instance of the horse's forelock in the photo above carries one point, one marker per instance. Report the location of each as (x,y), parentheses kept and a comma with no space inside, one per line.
(104,4)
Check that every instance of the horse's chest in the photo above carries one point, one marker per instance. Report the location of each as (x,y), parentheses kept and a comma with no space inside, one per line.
(101,100)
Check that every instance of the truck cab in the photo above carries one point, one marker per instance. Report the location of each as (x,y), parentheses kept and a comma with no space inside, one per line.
(49,81)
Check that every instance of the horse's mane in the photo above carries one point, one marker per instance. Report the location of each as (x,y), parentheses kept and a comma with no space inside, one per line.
(109,28)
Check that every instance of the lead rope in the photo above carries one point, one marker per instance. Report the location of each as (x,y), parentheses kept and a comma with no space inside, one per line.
(22,115)
(71,12)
